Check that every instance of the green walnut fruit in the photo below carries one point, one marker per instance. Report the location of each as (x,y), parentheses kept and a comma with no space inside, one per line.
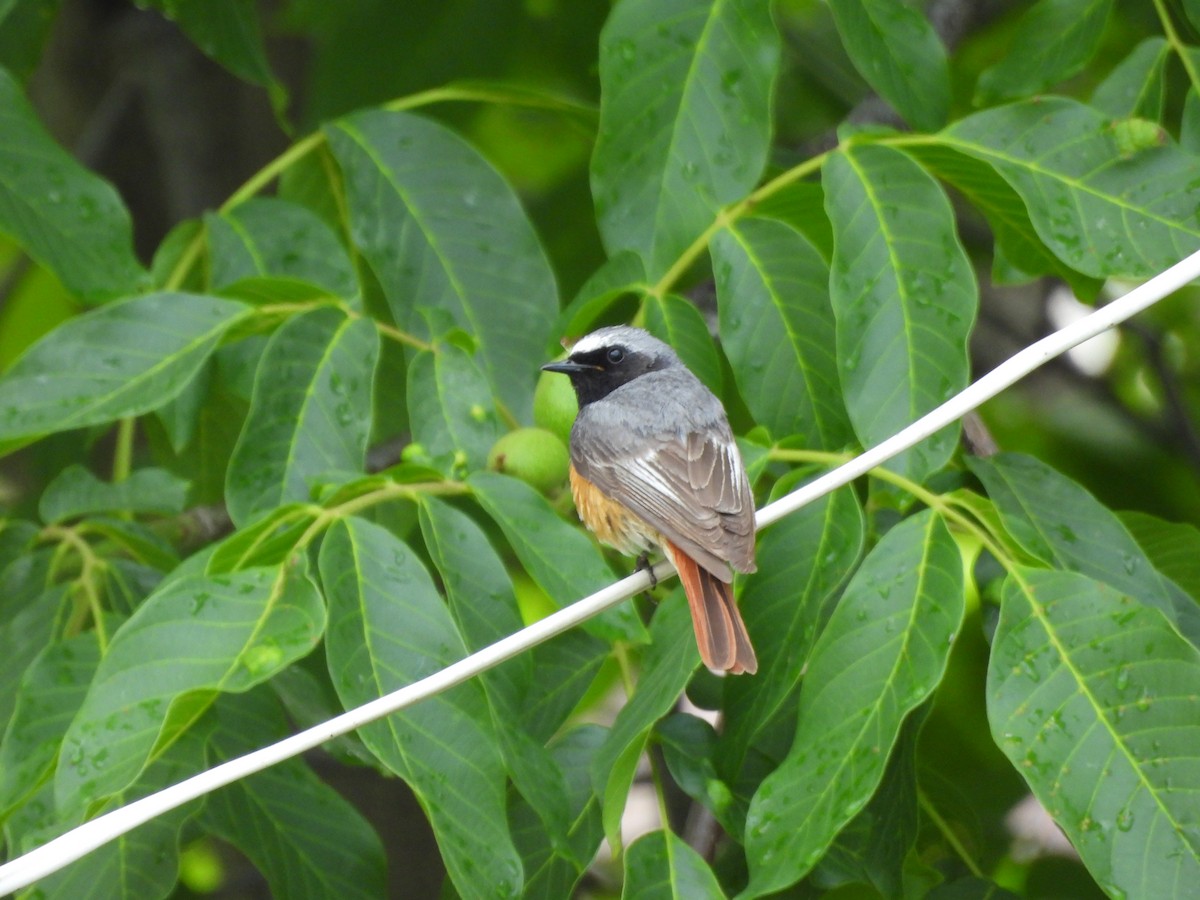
(554,404)
(534,455)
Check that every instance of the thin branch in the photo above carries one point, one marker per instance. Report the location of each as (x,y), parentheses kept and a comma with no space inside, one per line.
(74,844)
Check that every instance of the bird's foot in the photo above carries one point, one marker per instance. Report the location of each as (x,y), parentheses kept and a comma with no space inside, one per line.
(643,564)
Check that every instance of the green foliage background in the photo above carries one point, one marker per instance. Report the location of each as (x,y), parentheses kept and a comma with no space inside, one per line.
(844,193)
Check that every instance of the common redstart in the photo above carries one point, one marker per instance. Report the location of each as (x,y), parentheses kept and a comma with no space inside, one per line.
(654,465)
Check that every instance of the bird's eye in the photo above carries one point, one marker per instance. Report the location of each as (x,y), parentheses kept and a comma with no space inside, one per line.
(615,355)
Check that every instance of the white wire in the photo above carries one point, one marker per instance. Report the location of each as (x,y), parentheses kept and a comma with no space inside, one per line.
(77,842)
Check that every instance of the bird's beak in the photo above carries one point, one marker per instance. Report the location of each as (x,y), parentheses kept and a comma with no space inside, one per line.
(569,368)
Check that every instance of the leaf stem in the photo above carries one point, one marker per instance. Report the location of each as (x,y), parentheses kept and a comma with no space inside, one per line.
(1177,45)
(948,833)
(90,566)
(123,452)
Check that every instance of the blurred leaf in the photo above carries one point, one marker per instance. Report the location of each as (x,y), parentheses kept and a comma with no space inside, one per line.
(388,628)
(29,605)
(802,561)
(77,492)
(777,329)
(1053,41)
(306,691)
(676,321)
(896,50)
(180,417)
(1189,127)
(561,559)
(269,237)
(25,26)
(47,698)
(620,275)
(1063,525)
(123,359)
(128,583)
(802,206)
(566,666)
(689,746)
(310,414)
(442,230)
(450,407)
(195,637)
(685,88)
(904,295)
(268,541)
(1137,86)
(660,865)
(1096,701)
(882,653)
(320,846)
(549,873)
(1101,210)
(971,888)
(68,219)
(1173,548)
(669,662)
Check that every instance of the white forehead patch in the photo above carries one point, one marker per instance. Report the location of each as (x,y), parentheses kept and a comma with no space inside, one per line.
(591,342)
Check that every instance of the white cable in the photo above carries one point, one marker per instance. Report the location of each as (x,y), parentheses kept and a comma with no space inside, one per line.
(77,842)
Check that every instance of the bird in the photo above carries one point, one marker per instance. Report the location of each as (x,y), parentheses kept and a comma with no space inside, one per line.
(654,466)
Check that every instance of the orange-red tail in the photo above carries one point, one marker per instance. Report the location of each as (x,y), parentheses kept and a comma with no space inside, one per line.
(720,632)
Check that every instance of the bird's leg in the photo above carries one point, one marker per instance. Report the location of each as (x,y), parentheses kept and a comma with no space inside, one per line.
(643,564)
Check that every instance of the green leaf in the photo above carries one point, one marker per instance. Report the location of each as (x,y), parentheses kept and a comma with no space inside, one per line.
(450,407)
(297,830)
(268,237)
(484,608)
(802,561)
(1189,125)
(550,873)
(685,90)
(269,541)
(1137,86)
(560,558)
(801,205)
(29,606)
(777,329)
(1053,41)
(1101,210)
(47,698)
(1017,241)
(677,321)
(1173,548)
(621,275)
(123,359)
(194,637)
(68,219)
(228,32)
(1063,525)
(25,26)
(77,492)
(904,295)
(442,230)
(566,666)
(1096,701)
(881,655)
(388,628)
(670,660)
(310,413)
(896,50)
(143,862)
(661,865)
(689,745)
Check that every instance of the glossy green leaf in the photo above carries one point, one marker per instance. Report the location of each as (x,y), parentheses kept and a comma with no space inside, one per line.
(896,50)
(777,329)
(689,747)
(560,558)
(268,541)
(1137,86)
(566,666)
(47,698)
(450,407)
(801,205)
(1096,701)
(123,359)
(310,414)
(442,230)
(268,237)
(484,609)
(1053,41)
(661,866)
(1061,524)
(388,627)
(881,655)
(298,831)
(1102,210)
(676,320)
(685,89)
(195,637)
(550,873)
(621,275)
(904,295)
(669,662)
(68,219)
(802,561)
(77,492)
(1173,548)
